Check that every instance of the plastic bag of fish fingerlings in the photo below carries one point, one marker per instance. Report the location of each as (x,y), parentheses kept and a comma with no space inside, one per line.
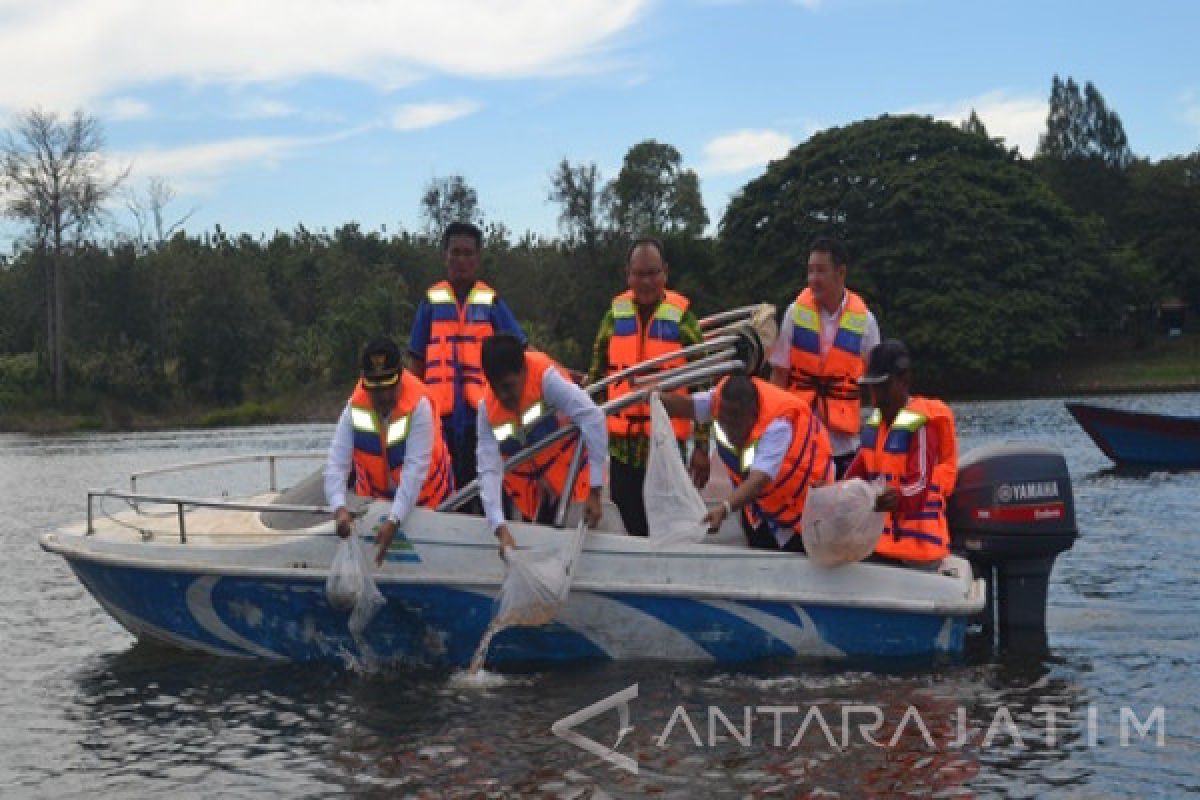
(840,524)
(350,585)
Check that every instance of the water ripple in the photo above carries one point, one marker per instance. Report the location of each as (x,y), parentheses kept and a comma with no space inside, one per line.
(90,713)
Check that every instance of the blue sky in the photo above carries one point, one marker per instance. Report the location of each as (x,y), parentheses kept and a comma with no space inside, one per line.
(263,114)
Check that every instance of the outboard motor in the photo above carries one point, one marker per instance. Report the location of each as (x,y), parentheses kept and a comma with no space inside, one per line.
(1012,512)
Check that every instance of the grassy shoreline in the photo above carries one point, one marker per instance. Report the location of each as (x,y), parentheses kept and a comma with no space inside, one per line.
(1100,368)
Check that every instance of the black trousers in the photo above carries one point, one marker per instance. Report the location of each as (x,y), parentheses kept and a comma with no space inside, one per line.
(842,463)
(625,486)
(760,537)
(461,445)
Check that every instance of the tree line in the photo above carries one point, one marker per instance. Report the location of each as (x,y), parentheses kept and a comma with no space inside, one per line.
(984,261)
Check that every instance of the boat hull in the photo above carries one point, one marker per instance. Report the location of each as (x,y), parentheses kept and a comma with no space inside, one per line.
(238,588)
(441,625)
(1141,439)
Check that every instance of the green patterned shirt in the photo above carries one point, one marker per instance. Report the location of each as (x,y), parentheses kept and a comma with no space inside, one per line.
(634,450)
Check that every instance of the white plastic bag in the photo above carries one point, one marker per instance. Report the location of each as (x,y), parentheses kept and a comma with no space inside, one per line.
(351,584)
(344,583)
(674,509)
(841,525)
(536,583)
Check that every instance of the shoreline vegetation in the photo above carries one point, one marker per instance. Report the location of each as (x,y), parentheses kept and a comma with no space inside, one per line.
(1093,370)
(1006,275)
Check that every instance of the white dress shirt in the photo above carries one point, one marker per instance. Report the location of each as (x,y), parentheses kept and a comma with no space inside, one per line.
(565,397)
(781,356)
(418,452)
(772,445)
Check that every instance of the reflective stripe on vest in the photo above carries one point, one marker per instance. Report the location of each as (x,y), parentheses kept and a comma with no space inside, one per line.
(920,535)
(806,462)
(630,344)
(829,383)
(453,371)
(543,476)
(378,457)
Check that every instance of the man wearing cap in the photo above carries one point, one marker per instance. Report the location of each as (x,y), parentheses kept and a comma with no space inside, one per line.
(452,321)
(822,348)
(774,449)
(391,438)
(910,442)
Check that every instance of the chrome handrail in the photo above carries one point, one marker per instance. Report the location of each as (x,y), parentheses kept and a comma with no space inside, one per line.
(650,364)
(202,502)
(682,376)
(270,458)
(727,317)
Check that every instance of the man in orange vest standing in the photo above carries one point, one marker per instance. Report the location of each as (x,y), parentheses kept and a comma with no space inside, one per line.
(910,442)
(645,321)
(452,321)
(826,336)
(528,398)
(392,439)
(774,449)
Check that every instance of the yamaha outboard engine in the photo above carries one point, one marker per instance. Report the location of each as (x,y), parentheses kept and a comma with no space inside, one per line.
(1011,514)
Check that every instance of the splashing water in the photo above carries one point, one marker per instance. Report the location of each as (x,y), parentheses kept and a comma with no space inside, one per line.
(481,679)
(484,643)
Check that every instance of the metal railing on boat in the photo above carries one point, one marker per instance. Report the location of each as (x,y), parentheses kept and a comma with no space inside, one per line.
(270,458)
(685,375)
(182,503)
(133,497)
(724,350)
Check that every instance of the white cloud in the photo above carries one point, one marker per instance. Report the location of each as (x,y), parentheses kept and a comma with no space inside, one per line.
(744,149)
(196,167)
(122,108)
(426,115)
(1019,120)
(83,50)
(263,108)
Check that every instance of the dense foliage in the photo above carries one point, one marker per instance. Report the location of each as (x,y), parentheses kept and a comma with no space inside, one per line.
(962,251)
(983,261)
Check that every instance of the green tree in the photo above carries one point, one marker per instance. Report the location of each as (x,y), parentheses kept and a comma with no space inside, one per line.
(226,327)
(653,193)
(1084,154)
(960,250)
(1160,220)
(973,124)
(447,200)
(1081,126)
(577,189)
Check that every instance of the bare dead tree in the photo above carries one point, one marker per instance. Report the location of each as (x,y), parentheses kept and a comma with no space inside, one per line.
(55,180)
(149,211)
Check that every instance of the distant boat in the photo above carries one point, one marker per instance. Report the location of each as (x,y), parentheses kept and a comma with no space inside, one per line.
(1139,438)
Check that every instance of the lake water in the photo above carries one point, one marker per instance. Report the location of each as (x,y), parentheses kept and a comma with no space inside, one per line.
(87,712)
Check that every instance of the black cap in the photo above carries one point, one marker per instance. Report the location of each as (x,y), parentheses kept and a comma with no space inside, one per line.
(380,364)
(890,357)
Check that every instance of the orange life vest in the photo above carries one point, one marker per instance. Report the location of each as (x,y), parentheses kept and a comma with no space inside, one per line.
(630,344)
(544,475)
(807,461)
(379,450)
(921,535)
(830,383)
(453,370)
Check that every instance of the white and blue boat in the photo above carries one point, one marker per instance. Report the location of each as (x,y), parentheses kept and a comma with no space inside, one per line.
(247,579)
